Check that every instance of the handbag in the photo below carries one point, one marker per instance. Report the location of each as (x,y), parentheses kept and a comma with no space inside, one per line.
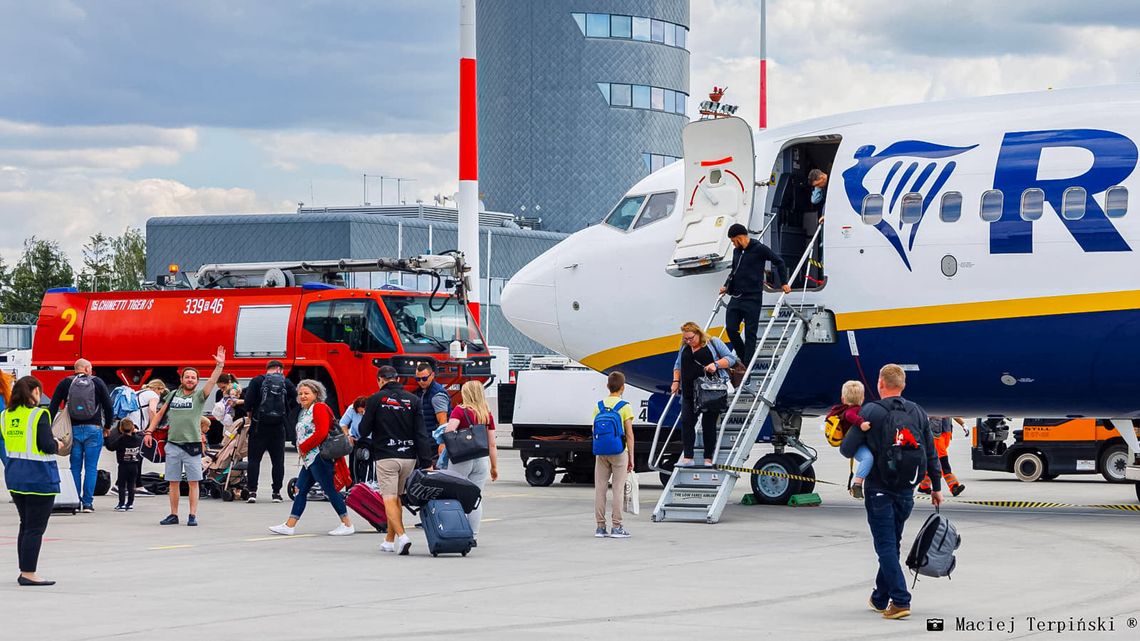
(61,429)
(710,394)
(468,444)
(336,445)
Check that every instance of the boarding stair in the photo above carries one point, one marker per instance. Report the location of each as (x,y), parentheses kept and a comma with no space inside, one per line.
(698,492)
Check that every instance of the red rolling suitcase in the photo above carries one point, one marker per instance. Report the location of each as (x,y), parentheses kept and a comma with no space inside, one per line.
(367,502)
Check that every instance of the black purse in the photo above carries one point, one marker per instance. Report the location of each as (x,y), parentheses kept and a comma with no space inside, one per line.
(710,394)
(468,444)
(335,445)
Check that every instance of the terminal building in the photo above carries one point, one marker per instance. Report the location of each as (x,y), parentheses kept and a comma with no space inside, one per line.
(318,233)
(578,100)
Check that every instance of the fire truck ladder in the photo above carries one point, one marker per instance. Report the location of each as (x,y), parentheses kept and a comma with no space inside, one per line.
(700,492)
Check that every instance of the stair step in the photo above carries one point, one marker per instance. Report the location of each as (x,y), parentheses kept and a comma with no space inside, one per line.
(686,507)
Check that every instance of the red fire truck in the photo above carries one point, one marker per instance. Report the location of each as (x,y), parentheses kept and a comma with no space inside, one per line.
(298,313)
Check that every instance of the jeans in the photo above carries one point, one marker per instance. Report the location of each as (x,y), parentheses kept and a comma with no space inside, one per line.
(710,425)
(887,513)
(864,459)
(319,471)
(85,449)
(266,439)
(746,310)
(478,471)
(34,511)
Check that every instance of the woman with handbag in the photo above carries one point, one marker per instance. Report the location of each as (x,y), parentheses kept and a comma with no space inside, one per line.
(703,361)
(317,434)
(470,441)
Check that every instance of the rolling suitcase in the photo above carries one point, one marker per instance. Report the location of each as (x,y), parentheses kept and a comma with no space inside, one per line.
(446,527)
(423,486)
(367,502)
(67,501)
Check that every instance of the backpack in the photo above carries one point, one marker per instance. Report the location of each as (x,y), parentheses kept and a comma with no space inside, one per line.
(899,456)
(833,425)
(82,406)
(609,429)
(273,405)
(933,551)
(124,402)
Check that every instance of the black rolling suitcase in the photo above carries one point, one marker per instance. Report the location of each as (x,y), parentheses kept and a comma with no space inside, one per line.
(446,527)
(423,486)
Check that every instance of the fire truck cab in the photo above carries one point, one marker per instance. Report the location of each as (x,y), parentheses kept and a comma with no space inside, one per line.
(299,314)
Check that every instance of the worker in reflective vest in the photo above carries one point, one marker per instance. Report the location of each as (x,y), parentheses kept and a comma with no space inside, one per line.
(30,471)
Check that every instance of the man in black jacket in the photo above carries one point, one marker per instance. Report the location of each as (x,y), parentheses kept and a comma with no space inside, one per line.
(269,400)
(745,284)
(394,424)
(888,508)
(91,416)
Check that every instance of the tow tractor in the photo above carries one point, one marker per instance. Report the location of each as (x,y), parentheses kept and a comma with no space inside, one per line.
(300,313)
(1043,449)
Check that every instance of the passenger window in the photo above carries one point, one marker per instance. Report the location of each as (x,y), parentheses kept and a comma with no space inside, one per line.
(872,211)
(911,208)
(659,207)
(1116,202)
(1073,203)
(951,207)
(1032,204)
(624,214)
(992,202)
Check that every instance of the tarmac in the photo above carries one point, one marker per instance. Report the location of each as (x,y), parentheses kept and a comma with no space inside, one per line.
(763,572)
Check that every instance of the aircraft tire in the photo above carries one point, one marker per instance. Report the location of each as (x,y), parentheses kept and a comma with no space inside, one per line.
(806,487)
(1029,466)
(771,490)
(1112,463)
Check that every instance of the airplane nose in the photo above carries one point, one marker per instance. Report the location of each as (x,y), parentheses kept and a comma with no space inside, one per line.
(528,301)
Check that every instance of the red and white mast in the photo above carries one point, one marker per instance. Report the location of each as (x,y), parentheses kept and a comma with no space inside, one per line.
(763,64)
(468,151)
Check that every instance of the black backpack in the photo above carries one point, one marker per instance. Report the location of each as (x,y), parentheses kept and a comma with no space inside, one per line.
(899,461)
(82,403)
(273,405)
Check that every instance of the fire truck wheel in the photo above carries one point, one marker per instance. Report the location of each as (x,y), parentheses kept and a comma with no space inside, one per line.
(1029,467)
(539,472)
(1112,463)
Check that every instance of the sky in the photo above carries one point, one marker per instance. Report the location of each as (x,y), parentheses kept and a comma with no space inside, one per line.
(114,111)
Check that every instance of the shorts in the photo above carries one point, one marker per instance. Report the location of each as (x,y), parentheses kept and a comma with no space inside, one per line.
(178,461)
(392,473)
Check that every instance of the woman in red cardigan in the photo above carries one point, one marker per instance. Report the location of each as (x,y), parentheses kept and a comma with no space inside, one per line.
(313,427)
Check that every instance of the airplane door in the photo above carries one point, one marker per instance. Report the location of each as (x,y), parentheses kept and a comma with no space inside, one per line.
(719,182)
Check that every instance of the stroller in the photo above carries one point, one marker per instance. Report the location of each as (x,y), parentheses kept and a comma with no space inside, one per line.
(224,470)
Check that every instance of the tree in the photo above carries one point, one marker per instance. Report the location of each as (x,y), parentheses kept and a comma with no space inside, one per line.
(5,276)
(128,263)
(98,256)
(42,267)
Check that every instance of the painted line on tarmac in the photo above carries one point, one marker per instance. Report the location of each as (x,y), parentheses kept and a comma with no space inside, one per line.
(171,547)
(278,537)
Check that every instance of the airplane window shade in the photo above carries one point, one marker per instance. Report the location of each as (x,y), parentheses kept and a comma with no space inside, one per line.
(1116,202)
(951,207)
(623,215)
(1073,203)
(872,211)
(992,202)
(911,208)
(659,207)
(1032,204)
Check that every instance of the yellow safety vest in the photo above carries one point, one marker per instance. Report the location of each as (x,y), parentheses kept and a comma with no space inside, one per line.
(20,433)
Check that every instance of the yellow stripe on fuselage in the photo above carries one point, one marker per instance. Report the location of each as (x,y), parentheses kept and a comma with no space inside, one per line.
(902,317)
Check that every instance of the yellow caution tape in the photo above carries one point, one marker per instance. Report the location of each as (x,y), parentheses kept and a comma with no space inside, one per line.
(748,470)
(815,263)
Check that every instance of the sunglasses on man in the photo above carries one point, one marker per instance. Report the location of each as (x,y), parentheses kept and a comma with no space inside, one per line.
(423,378)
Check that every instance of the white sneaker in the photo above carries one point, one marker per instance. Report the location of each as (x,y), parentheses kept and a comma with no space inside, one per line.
(342,530)
(387,546)
(282,529)
(403,544)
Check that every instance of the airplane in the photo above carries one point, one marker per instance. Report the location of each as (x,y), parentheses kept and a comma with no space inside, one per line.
(984,244)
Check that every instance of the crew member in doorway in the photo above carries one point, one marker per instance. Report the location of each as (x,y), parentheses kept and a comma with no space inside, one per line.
(818,181)
(942,427)
(745,284)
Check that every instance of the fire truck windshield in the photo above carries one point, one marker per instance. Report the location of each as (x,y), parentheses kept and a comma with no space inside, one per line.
(422,329)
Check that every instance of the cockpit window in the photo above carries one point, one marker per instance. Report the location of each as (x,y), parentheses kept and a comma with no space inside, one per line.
(659,207)
(626,211)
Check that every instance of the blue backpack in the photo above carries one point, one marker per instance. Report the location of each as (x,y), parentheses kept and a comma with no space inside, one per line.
(609,430)
(124,402)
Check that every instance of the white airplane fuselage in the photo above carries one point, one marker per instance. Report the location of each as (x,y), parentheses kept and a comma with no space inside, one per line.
(1024,312)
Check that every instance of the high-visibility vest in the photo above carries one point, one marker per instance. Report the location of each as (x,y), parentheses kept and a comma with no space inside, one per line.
(29,469)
